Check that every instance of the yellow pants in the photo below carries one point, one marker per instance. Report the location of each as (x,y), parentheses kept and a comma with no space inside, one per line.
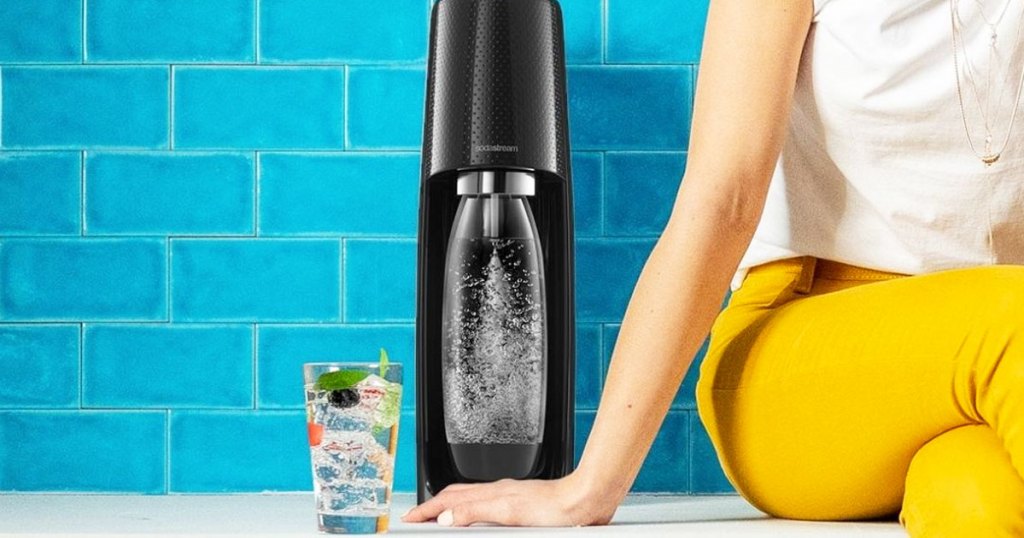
(833,392)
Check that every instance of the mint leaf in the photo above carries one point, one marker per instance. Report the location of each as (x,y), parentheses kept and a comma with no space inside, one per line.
(339,380)
(384,362)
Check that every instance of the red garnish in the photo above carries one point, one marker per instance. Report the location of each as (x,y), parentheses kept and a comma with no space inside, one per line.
(316,433)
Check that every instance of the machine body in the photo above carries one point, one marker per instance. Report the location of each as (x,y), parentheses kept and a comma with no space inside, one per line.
(495,351)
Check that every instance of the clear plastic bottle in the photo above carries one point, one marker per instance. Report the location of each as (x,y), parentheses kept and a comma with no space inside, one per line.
(494,327)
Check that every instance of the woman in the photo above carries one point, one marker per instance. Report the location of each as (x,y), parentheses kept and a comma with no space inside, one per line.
(855,175)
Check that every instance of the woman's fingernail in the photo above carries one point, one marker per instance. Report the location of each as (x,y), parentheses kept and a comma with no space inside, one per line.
(406,514)
(446,518)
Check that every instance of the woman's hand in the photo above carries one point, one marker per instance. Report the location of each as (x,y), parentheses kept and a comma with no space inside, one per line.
(526,503)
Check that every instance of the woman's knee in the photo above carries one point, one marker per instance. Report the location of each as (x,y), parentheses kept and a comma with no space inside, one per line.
(962,484)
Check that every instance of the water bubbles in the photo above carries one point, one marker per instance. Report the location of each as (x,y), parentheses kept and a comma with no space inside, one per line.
(494,349)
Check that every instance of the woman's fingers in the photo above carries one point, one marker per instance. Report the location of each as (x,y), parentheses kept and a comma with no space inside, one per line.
(446,499)
(498,510)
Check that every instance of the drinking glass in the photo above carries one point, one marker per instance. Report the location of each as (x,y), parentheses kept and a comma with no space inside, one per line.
(352,412)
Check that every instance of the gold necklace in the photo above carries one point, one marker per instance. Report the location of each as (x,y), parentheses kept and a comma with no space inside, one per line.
(989,156)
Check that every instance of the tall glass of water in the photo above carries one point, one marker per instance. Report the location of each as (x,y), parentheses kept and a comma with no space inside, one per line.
(352,412)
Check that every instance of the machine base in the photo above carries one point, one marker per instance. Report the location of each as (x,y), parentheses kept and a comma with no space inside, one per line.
(487,462)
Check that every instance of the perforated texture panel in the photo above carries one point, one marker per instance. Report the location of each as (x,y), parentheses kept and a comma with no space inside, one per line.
(496,91)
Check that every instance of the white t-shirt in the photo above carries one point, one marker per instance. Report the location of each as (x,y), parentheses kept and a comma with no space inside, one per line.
(876,170)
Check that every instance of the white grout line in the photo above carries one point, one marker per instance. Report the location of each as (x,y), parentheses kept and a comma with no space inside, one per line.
(257,172)
(170,254)
(167,451)
(1,107)
(170,108)
(81,364)
(82,227)
(604,31)
(255,366)
(256,32)
(600,199)
(342,245)
(85,55)
(344,107)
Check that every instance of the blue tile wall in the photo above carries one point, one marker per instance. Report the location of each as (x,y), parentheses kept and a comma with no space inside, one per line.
(380,280)
(265,108)
(101,279)
(348,31)
(169,193)
(197,197)
(398,124)
(85,107)
(255,280)
(40,31)
(630,107)
(589,365)
(606,270)
(218,451)
(83,451)
(583,28)
(167,366)
(660,32)
(588,184)
(39,366)
(314,194)
(42,193)
(639,191)
(170,32)
(405,453)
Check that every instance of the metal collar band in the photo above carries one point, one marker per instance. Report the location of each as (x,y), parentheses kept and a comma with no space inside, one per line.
(514,182)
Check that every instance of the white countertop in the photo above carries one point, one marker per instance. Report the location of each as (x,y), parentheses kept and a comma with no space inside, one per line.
(291,515)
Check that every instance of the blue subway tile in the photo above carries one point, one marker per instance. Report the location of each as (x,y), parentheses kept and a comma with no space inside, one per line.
(706,474)
(255,280)
(169,193)
(82,451)
(582,24)
(581,431)
(405,454)
(39,193)
(160,31)
(640,189)
(380,280)
(606,271)
(589,370)
(167,366)
(83,280)
(587,186)
(41,31)
(283,350)
(686,395)
(667,467)
(385,107)
(71,107)
(350,193)
(287,108)
(630,107)
(239,451)
(38,366)
(661,31)
(349,31)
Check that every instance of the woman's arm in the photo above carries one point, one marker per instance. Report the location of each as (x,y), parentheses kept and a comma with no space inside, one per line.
(748,70)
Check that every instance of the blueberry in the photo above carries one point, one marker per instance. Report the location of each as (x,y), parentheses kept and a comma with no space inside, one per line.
(343,398)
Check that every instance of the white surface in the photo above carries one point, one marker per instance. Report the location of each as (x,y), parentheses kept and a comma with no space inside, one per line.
(292,516)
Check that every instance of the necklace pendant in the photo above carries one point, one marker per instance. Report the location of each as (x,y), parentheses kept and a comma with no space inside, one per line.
(990,159)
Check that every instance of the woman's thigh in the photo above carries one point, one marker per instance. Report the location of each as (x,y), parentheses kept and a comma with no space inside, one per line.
(817,401)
